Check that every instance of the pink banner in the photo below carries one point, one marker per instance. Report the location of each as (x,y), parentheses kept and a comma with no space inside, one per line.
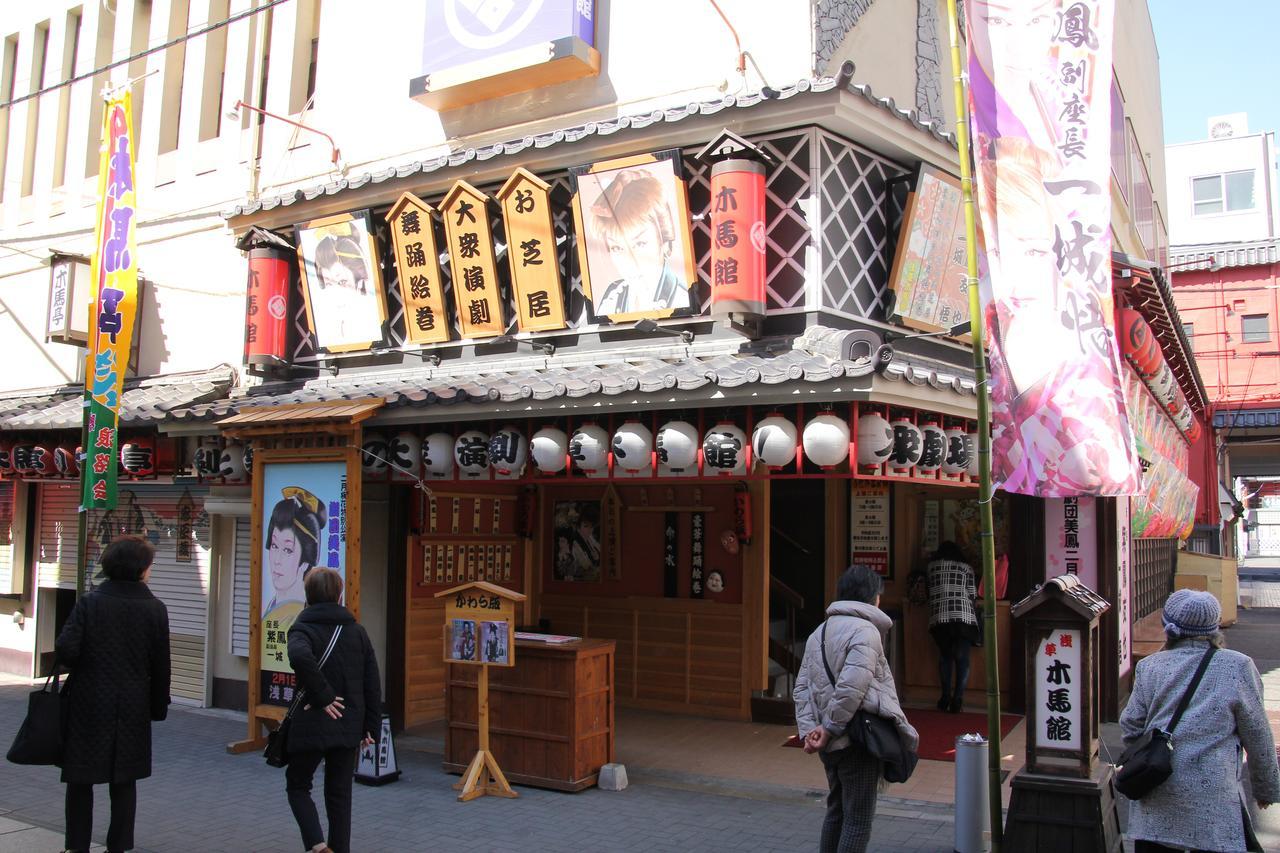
(1040,76)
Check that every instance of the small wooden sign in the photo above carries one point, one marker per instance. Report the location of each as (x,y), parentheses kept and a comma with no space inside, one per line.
(472,263)
(426,319)
(531,252)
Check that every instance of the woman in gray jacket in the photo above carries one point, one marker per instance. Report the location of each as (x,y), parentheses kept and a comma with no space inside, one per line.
(1201,806)
(854,651)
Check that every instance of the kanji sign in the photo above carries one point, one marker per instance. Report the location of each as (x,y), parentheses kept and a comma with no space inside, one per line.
(531,252)
(869,508)
(1071,539)
(479,624)
(929,266)
(471,262)
(426,318)
(1059,681)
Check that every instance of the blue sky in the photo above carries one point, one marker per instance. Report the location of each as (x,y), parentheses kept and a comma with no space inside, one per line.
(1216,58)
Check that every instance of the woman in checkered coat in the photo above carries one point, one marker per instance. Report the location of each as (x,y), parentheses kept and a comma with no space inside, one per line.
(952,621)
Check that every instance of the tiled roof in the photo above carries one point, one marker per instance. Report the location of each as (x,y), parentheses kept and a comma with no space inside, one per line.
(146,402)
(1247,418)
(1202,256)
(820,355)
(599,128)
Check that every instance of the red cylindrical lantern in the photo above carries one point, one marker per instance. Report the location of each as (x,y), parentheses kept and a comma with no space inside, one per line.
(1140,346)
(266,310)
(737,238)
(65,461)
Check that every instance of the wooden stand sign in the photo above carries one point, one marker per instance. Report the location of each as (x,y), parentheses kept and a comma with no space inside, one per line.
(479,629)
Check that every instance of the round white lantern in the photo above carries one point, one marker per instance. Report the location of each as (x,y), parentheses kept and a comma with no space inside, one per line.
(231,464)
(248,458)
(973,469)
(934,448)
(632,449)
(471,454)
(677,444)
(589,450)
(908,444)
(826,440)
(508,453)
(548,447)
(404,456)
(773,441)
(373,458)
(875,440)
(724,450)
(437,456)
(205,459)
(956,459)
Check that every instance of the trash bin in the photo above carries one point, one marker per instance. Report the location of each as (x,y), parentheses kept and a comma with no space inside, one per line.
(971,794)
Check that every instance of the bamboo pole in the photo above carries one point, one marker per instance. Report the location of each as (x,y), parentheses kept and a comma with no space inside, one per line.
(984,436)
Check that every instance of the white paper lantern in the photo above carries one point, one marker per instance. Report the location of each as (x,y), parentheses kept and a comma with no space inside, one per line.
(933,448)
(373,458)
(231,464)
(1164,387)
(724,450)
(908,444)
(471,454)
(549,447)
(248,458)
(589,450)
(205,459)
(773,441)
(826,440)
(508,453)
(956,459)
(677,444)
(437,456)
(404,456)
(632,450)
(875,440)
(974,468)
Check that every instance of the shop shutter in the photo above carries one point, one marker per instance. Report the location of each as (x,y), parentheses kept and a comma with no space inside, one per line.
(7,579)
(240,589)
(59,506)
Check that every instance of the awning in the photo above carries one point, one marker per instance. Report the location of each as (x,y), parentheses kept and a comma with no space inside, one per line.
(302,414)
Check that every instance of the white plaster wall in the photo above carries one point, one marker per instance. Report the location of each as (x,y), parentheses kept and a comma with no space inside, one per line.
(882,46)
(1209,157)
(1136,62)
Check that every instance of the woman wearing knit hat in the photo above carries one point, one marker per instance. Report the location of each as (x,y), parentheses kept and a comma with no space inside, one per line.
(1201,806)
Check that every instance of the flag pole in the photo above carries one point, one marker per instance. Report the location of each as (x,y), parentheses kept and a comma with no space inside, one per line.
(994,800)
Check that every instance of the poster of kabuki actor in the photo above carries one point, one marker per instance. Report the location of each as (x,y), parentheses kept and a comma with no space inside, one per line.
(303,526)
(342,282)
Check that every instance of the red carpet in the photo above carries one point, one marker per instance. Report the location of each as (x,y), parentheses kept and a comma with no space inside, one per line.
(939,730)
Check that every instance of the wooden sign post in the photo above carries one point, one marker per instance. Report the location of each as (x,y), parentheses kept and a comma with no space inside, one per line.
(479,629)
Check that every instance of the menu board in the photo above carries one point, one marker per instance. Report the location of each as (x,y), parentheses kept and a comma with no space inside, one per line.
(929,266)
(869,525)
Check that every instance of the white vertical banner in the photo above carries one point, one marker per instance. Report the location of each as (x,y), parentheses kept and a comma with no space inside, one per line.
(1059,688)
(1124,588)
(1071,539)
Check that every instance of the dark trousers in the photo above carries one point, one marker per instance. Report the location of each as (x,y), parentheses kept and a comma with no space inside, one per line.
(339,768)
(953,656)
(1140,846)
(79,806)
(853,779)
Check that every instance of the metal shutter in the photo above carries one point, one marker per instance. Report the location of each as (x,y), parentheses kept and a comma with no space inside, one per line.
(7,585)
(58,508)
(240,588)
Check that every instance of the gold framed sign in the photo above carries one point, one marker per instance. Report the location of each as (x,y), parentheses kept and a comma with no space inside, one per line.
(531,252)
(472,265)
(426,319)
(342,282)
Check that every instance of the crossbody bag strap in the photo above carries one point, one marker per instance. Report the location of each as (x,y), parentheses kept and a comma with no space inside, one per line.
(324,658)
(1191,689)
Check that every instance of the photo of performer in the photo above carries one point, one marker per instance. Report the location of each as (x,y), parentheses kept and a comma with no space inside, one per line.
(462,640)
(292,541)
(343,286)
(495,642)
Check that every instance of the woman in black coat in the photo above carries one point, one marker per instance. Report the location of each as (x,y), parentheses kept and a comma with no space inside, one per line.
(342,708)
(116,644)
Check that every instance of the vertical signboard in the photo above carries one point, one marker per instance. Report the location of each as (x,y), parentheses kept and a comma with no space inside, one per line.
(929,269)
(1058,678)
(1124,588)
(471,262)
(426,320)
(71,298)
(869,528)
(1071,539)
(531,252)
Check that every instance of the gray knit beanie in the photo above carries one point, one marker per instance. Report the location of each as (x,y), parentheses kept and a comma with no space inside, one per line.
(1192,613)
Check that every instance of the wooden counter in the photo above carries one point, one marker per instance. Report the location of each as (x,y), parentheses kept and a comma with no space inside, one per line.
(550,716)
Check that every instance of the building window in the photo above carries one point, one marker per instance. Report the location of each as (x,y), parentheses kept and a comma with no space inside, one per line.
(1189,330)
(1229,192)
(1254,329)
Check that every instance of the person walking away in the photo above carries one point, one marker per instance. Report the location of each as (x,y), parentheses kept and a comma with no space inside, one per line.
(116,644)
(953,624)
(341,710)
(1201,806)
(853,646)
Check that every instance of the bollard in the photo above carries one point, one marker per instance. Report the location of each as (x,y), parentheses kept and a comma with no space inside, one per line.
(971,794)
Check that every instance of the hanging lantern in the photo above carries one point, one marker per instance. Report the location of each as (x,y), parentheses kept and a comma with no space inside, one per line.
(404,457)
(437,456)
(908,444)
(205,459)
(266,313)
(231,465)
(138,456)
(589,450)
(933,448)
(1139,344)
(826,440)
(549,448)
(737,227)
(42,461)
(248,458)
(724,450)
(471,453)
(875,440)
(6,457)
(773,442)
(677,444)
(22,463)
(65,461)
(974,468)
(373,455)
(956,459)
(508,453)
(632,450)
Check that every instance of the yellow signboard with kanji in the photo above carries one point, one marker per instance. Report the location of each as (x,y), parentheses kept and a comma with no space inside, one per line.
(531,252)
(426,320)
(472,262)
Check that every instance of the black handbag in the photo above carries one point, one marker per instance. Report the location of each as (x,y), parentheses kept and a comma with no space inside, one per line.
(276,753)
(1148,763)
(39,739)
(876,735)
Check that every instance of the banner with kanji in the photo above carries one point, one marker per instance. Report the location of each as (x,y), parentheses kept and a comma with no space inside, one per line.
(114,273)
(1040,76)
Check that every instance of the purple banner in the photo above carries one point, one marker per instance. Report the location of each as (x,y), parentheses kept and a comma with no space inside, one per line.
(463,31)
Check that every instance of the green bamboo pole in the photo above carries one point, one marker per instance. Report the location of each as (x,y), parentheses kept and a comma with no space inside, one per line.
(984,437)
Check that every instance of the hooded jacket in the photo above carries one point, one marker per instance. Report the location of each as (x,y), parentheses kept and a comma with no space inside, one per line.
(855,652)
(351,672)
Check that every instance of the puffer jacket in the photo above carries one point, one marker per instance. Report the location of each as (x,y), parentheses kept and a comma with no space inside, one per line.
(351,672)
(855,652)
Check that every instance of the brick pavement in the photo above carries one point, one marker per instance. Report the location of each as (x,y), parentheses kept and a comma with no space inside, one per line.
(200,798)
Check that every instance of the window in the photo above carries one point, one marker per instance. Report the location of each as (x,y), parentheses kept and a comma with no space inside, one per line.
(1254,329)
(38,67)
(1226,193)
(1189,329)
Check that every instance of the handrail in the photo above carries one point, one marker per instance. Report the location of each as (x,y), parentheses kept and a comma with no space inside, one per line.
(787,594)
(775,531)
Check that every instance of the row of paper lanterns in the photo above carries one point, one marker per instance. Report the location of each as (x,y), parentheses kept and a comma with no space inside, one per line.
(137,458)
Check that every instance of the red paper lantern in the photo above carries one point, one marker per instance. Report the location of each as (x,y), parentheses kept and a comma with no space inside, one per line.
(737,238)
(65,461)
(6,458)
(23,459)
(42,461)
(138,456)
(266,310)
(1141,349)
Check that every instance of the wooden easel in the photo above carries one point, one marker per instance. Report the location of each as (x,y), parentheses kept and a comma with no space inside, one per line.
(483,775)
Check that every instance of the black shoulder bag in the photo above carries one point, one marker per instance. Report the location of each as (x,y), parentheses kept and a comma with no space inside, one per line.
(1148,763)
(876,735)
(277,752)
(39,740)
